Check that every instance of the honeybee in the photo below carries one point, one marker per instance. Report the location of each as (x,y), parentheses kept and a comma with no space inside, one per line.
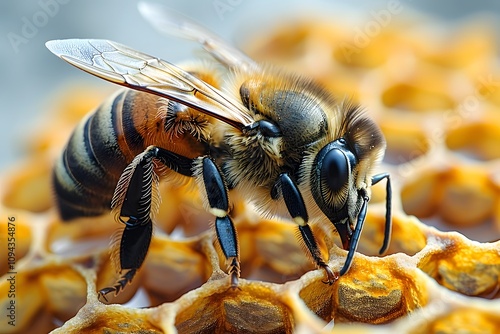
(280,139)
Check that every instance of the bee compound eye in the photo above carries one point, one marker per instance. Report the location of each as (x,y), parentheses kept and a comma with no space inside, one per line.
(335,170)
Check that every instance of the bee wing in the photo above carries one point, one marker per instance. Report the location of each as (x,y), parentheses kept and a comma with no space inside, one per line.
(124,66)
(171,22)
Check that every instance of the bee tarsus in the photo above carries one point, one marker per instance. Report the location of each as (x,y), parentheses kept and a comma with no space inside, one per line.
(120,285)
(234,272)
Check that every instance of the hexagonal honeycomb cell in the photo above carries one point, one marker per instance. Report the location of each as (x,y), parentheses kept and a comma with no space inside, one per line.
(437,103)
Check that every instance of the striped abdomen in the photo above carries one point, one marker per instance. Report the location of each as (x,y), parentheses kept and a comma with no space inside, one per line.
(86,173)
(104,143)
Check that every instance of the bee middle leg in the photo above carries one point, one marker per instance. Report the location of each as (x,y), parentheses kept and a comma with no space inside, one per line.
(218,204)
(297,209)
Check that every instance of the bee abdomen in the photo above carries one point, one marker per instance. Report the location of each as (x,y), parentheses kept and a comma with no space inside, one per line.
(86,174)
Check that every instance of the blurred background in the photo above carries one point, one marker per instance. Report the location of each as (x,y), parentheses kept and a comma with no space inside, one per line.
(429,77)
(32,76)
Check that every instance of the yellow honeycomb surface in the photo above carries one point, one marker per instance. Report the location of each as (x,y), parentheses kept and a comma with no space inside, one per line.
(436,97)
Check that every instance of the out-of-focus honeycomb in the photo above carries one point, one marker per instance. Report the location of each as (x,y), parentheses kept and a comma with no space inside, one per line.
(436,97)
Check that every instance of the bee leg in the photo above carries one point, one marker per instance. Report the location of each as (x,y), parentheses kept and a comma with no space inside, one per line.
(297,209)
(120,284)
(218,202)
(350,239)
(354,238)
(134,198)
(388,209)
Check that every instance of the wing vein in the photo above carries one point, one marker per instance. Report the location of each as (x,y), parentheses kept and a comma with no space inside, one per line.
(122,65)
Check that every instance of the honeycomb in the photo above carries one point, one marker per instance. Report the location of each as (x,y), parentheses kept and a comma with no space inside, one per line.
(435,94)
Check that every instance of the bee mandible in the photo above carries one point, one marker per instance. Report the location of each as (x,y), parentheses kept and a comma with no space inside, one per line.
(280,139)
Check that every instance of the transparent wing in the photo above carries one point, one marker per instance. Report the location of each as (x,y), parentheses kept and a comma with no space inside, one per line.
(171,22)
(124,66)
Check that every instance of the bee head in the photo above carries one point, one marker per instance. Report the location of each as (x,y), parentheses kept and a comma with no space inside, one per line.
(333,183)
(341,172)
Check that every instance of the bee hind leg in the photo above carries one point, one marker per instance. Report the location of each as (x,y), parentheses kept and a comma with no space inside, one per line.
(134,200)
(134,245)
(119,285)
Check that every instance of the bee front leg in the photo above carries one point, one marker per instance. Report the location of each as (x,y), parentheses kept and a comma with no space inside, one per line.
(354,236)
(218,204)
(349,238)
(388,209)
(287,188)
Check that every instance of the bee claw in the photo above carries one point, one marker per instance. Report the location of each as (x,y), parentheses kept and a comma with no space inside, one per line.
(103,292)
(234,281)
(234,271)
(331,276)
(119,285)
